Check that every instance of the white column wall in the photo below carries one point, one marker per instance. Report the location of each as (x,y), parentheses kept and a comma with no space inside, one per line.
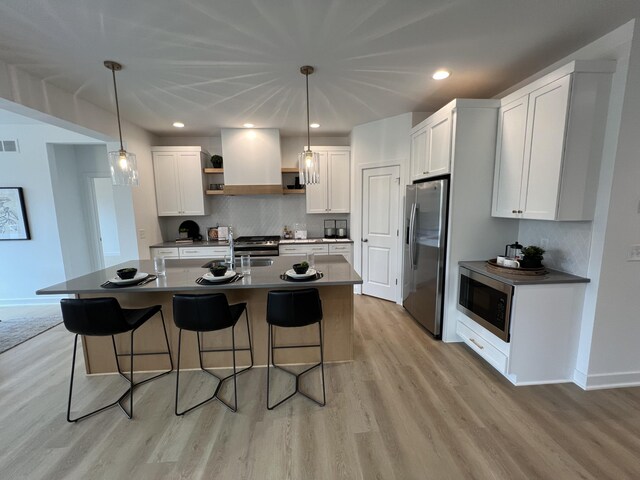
(379,143)
(615,354)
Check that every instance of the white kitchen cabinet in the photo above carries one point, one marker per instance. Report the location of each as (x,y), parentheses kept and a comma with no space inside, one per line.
(318,249)
(545,328)
(344,249)
(332,194)
(549,145)
(209,252)
(179,180)
(431,145)
(203,252)
(166,252)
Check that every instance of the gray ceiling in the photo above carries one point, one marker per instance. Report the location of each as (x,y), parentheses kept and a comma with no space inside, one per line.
(221,63)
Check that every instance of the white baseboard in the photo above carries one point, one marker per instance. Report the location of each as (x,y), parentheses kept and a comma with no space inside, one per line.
(580,379)
(599,381)
(43,300)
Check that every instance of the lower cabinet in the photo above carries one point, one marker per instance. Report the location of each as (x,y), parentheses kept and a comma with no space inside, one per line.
(165,252)
(344,249)
(304,249)
(189,252)
(545,328)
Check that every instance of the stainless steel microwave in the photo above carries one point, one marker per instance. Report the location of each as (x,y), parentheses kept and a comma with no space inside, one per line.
(487,301)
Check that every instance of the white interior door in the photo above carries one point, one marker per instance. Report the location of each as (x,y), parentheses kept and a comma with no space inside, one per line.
(380,197)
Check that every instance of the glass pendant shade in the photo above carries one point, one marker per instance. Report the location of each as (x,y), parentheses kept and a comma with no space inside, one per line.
(309,167)
(124,168)
(308,161)
(123,164)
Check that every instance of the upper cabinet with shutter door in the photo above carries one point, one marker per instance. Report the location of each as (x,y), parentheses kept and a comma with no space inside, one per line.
(431,145)
(332,194)
(179,180)
(549,145)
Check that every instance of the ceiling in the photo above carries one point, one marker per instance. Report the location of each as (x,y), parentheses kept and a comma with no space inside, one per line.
(221,63)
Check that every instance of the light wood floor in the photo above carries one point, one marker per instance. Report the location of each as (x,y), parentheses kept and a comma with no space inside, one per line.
(407,408)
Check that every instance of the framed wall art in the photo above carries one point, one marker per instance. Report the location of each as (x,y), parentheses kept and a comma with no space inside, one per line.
(13,215)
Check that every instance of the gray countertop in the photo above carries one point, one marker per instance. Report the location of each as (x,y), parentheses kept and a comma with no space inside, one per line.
(553,276)
(182,274)
(283,241)
(290,241)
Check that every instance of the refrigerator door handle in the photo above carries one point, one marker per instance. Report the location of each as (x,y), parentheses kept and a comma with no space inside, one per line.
(411,228)
(414,238)
(412,234)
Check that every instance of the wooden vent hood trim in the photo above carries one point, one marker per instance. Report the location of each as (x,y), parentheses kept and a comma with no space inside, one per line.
(253,189)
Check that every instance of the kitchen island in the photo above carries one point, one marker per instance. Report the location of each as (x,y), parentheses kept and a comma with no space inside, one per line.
(336,292)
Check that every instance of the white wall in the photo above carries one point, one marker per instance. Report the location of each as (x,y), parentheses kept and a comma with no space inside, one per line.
(615,356)
(36,263)
(69,204)
(379,143)
(25,94)
(254,215)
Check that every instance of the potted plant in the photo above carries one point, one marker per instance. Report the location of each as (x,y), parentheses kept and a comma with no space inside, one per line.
(218,270)
(301,268)
(532,257)
(216,161)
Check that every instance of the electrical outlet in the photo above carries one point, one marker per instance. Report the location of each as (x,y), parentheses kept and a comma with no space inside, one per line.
(142,234)
(634,255)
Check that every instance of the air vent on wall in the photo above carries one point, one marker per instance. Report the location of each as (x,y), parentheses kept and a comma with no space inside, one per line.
(8,145)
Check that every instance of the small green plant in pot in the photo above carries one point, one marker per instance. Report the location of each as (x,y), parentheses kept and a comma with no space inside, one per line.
(532,257)
(301,268)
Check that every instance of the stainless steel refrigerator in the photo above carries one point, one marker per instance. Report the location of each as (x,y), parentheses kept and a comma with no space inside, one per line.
(425,251)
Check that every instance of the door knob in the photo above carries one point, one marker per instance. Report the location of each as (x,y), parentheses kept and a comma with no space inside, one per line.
(365,240)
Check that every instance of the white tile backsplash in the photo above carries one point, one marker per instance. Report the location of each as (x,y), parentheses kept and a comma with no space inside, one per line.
(254,215)
(568,243)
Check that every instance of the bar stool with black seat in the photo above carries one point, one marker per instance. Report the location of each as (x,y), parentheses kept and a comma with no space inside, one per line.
(210,313)
(105,317)
(291,309)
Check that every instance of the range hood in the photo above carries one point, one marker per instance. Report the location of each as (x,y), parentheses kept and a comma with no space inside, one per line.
(252,161)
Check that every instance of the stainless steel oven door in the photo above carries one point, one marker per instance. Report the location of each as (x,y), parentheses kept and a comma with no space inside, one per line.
(486,301)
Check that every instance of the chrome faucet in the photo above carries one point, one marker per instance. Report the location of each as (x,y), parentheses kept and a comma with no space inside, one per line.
(231,252)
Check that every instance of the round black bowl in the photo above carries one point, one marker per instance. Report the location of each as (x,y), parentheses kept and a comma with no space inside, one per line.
(127,273)
(300,269)
(218,271)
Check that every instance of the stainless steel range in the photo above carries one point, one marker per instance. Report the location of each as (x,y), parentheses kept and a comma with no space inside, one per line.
(257,246)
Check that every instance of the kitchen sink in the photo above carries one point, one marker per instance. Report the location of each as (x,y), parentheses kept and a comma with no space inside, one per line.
(255,262)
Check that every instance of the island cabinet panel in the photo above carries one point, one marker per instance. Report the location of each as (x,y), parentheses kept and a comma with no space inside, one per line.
(332,193)
(549,145)
(337,307)
(179,180)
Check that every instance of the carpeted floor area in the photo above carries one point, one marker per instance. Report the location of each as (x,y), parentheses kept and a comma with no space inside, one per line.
(14,331)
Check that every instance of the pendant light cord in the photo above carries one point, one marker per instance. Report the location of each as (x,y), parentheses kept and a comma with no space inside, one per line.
(115,89)
(308,132)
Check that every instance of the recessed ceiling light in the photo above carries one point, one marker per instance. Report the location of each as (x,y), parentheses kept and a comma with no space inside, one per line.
(248,125)
(178,124)
(314,125)
(441,75)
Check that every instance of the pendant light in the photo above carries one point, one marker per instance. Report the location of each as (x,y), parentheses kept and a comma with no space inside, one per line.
(124,167)
(308,161)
